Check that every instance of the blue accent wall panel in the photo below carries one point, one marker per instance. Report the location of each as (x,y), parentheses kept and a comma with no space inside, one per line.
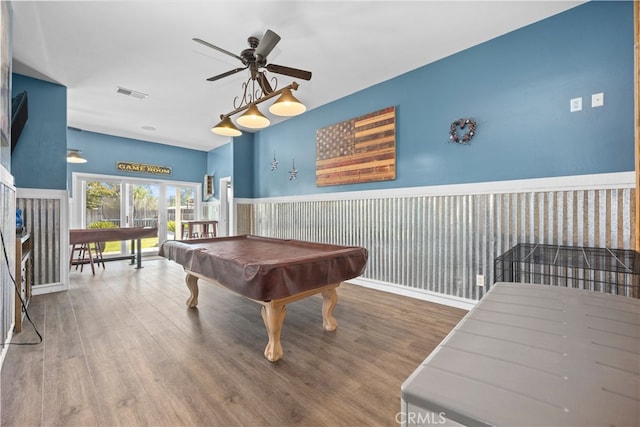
(243,174)
(517,87)
(103,151)
(39,159)
(220,165)
(234,160)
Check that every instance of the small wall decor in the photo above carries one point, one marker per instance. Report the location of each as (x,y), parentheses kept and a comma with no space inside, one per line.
(143,168)
(274,163)
(462,124)
(293,173)
(207,187)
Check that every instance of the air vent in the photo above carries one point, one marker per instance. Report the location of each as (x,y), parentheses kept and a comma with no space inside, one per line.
(129,92)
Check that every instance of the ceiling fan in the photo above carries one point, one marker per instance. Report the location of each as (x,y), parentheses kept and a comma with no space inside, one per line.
(255,58)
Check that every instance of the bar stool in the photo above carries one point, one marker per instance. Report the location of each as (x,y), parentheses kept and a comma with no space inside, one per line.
(212,229)
(187,231)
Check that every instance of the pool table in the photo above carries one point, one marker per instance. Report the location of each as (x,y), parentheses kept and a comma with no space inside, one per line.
(272,272)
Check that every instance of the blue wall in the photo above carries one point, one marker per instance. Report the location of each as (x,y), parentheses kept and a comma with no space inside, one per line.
(234,160)
(243,173)
(39,159)
(220,165)
(517,87)
(103,151)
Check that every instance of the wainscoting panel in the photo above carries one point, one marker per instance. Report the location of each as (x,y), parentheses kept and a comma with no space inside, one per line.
(42,219)
(244,215)
(440,243)
(7,270)
(45,216)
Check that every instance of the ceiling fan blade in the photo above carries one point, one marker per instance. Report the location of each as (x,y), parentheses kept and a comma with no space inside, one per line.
(227,74)
(219,49)
(263,81)
(288,71)
(266,45)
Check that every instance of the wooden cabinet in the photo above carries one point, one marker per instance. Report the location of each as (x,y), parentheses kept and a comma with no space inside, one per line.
(24,246)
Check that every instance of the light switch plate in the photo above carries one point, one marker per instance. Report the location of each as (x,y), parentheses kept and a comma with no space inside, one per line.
(575,104)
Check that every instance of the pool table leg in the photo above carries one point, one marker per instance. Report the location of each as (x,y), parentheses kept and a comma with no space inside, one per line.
(329,301)
(192,284)
(273,316)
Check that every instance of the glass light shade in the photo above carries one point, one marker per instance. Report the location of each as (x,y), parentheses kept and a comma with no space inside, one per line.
(226,128)
(287,105)
(253,119)
(74,157)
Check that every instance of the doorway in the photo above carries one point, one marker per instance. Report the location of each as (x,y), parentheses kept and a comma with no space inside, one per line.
(180,206)
(226,222)
(101,201)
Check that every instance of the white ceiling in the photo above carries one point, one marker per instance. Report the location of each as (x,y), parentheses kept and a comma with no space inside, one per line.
(92,47)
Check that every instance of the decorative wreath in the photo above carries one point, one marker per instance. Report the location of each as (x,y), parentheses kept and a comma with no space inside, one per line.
(462,123)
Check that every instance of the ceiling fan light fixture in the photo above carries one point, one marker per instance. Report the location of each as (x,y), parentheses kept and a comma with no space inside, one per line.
(226,128)
(73,156)
(287,105)
(253,118)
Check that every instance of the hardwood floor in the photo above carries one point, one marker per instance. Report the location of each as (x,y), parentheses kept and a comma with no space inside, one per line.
(122,348)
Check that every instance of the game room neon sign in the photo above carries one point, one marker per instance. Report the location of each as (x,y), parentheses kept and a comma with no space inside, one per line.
(143,168)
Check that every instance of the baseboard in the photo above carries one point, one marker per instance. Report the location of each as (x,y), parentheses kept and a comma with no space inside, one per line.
(48,288)
(421,294)
(5,348)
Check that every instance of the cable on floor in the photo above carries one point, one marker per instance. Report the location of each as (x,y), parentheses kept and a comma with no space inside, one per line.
(19,294)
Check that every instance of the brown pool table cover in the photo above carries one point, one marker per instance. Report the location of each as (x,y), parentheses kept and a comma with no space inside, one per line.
(263,268)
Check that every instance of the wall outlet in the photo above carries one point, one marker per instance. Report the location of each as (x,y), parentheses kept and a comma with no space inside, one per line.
(597,99)
(480,280)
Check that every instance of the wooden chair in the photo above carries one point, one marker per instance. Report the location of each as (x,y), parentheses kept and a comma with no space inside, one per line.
(82,254)
(97,247)
(79,255)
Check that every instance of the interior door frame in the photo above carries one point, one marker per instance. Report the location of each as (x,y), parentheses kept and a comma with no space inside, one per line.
(226,220)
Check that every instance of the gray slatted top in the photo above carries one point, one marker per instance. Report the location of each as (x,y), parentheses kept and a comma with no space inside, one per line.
(536,355)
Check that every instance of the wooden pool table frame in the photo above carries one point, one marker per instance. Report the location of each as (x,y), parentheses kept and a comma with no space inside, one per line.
(274,311)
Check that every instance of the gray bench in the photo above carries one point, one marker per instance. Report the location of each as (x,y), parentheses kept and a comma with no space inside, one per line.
(533,355)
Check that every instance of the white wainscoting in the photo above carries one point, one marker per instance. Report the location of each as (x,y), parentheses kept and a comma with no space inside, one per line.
(46,216)
(433,242)
(7,265)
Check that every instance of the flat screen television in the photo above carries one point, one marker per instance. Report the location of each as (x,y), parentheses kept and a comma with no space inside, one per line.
(19,116)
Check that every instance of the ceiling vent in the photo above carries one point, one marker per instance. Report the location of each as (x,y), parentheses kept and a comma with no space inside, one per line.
(129,92)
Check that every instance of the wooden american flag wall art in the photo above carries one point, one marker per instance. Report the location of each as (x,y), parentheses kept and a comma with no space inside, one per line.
(357,150)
